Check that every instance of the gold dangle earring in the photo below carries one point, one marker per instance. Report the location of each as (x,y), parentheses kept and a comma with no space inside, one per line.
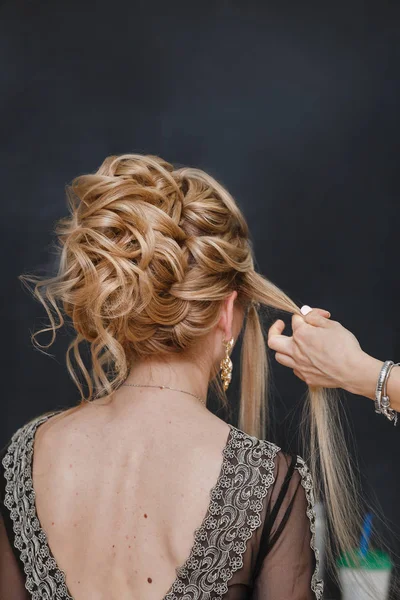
(226,364)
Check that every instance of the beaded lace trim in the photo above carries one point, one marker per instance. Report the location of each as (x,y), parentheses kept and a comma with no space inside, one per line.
(233,514)
(317,585)
(44,580)
(236,502)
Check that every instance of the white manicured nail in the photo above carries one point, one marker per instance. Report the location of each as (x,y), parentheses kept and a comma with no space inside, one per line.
(305,309)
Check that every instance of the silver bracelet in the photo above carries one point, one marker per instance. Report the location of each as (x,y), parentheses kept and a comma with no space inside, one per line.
(382,401)
(389,413)
(379,385)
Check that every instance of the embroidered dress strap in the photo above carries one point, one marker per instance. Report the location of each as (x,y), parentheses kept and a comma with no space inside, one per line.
(43,577)
(234,514)
(317,585)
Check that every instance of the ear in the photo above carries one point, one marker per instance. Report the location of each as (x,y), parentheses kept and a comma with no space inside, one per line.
(226,319)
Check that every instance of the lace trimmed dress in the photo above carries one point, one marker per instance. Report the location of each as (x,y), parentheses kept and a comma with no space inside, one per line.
(256,540)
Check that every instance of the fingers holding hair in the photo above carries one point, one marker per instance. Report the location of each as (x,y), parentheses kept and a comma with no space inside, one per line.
(319,317)
(283,344)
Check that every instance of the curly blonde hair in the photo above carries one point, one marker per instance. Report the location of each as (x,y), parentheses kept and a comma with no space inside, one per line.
(147,256)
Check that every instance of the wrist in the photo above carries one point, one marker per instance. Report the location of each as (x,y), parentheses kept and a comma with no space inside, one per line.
(363,376)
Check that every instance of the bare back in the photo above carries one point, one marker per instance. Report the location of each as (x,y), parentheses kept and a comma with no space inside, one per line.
(120,499)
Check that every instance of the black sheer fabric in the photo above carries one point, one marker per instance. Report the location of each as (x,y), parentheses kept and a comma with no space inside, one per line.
(259,529)
(12,578)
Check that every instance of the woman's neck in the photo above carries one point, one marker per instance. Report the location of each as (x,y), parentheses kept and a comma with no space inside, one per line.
(188,379)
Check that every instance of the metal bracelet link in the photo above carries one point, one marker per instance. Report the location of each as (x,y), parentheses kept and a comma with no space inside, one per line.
(382,400)
(379,385)
(389,412)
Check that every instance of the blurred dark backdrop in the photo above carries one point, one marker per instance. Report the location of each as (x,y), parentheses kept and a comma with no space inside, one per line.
(293,106)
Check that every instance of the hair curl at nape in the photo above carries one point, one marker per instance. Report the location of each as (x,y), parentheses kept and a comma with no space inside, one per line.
(147,255)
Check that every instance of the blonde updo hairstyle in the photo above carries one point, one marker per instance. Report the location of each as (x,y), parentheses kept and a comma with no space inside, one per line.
(147,255)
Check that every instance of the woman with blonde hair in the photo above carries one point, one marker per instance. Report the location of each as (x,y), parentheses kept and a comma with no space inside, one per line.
(140,491)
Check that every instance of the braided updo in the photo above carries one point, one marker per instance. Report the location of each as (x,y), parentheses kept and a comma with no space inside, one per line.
(149,251)
(147,255)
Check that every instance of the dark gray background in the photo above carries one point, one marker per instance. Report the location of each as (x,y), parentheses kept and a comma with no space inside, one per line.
(292,105)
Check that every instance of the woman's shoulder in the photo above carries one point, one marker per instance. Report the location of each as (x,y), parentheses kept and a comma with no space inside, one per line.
(284,465)
(253,441)
(16,455)
(267,446)
(25,433)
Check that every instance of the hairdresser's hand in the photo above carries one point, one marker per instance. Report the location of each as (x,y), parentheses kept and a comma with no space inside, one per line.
(321,352)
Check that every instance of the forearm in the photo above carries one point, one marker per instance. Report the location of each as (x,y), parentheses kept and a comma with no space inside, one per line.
(364,376)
